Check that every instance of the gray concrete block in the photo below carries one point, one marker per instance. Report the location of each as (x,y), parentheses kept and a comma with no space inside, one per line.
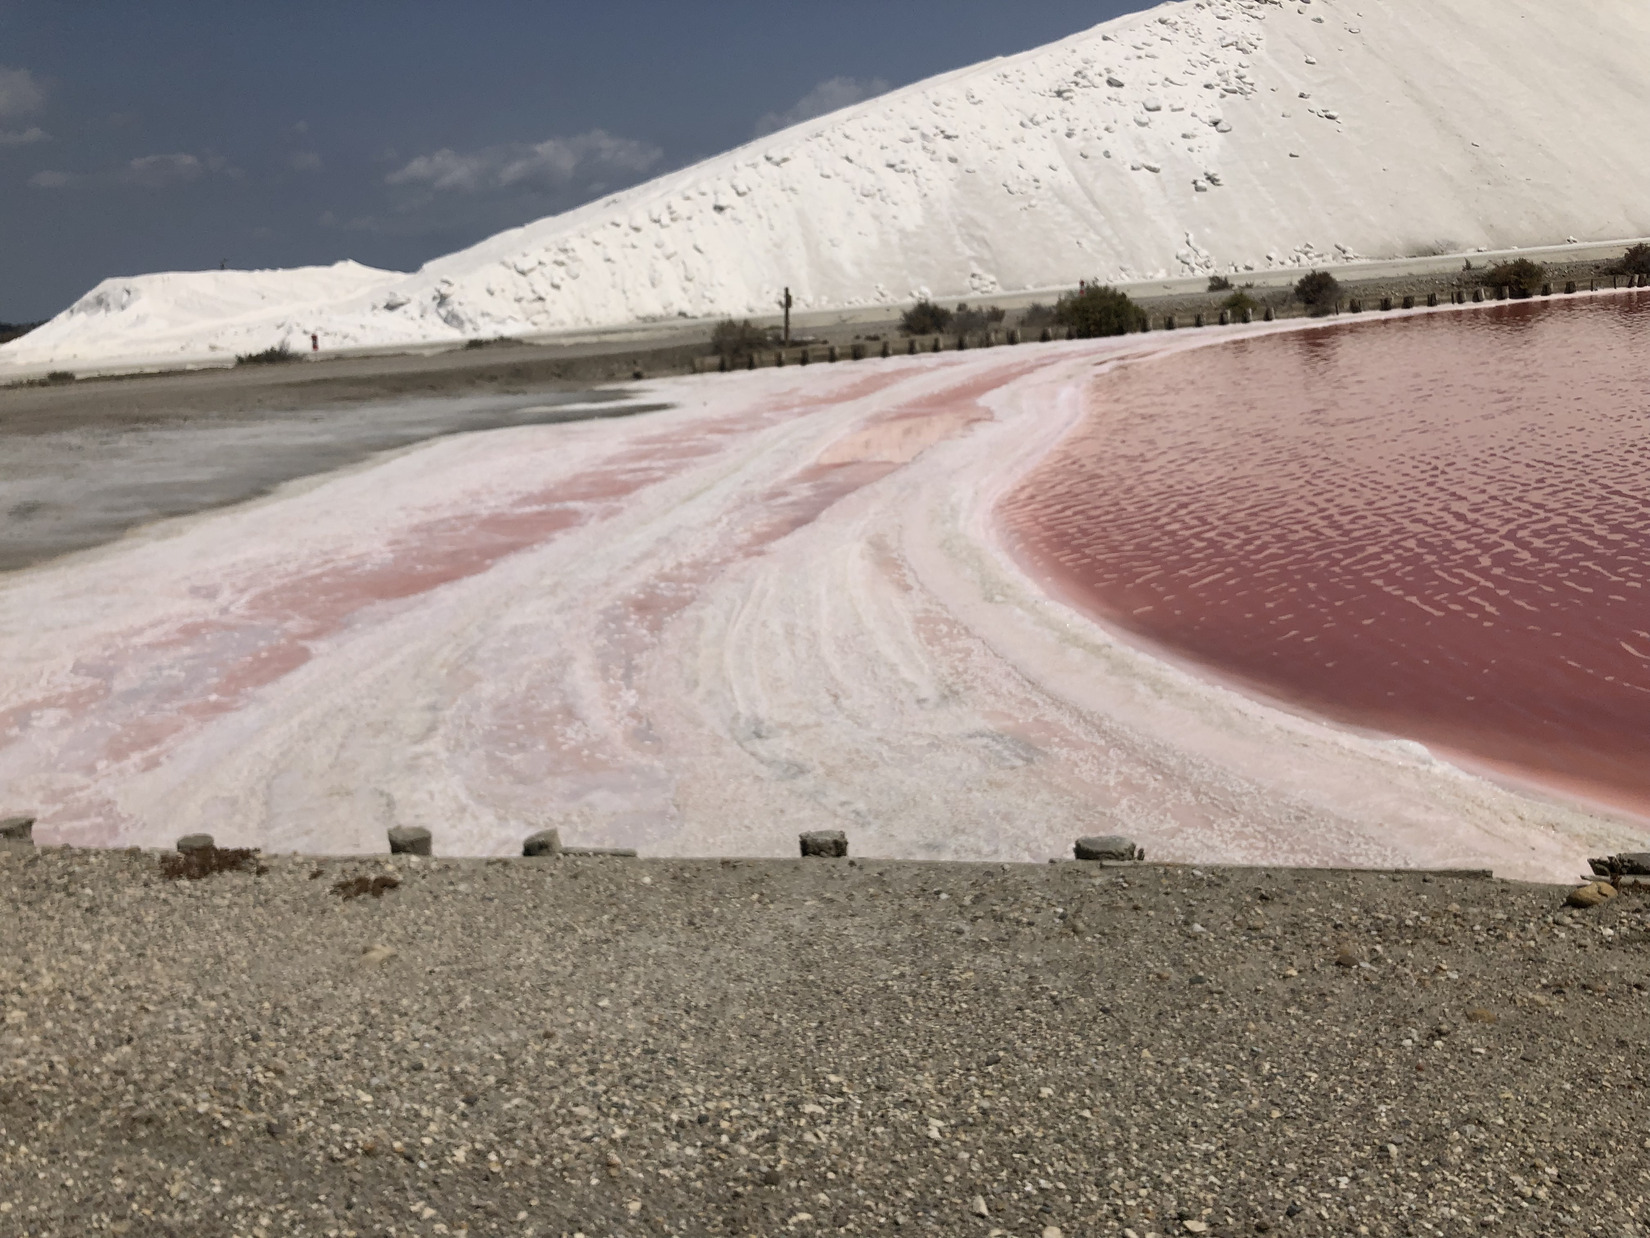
(545,842)
(825,844)
(17,829)
(409,840)
(1111,848)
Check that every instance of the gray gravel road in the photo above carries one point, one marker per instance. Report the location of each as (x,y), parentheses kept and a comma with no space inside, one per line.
(609,1047)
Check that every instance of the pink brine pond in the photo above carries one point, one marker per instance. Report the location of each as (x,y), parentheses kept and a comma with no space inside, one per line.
(1435,526)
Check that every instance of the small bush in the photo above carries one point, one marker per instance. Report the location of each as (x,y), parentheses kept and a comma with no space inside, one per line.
(925,318)
(973,321)
(1219,283)
(1036,316)
(1319,291)
(372,887)
(1635,261)
(1523,277)
(737,341)
(1240,301)
(198,865)
(269,356)
(1098,311)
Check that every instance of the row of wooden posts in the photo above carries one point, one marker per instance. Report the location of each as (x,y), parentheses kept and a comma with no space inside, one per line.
(858,351)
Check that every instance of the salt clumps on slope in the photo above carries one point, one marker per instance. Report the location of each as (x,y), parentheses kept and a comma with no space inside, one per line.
(1198,136)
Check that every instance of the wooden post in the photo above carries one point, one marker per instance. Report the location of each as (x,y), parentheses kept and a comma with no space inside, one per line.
(787,303)
(1269,316)
(1168,322)
(1225,318)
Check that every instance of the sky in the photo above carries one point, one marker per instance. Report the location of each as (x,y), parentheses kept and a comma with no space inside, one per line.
(181,134)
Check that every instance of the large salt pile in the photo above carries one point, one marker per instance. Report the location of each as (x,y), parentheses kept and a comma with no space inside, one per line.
(1201,135)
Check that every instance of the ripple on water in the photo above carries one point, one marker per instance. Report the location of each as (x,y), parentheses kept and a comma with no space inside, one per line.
(1436,526)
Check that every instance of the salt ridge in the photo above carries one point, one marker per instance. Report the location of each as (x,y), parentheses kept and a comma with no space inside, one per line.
(1202,135)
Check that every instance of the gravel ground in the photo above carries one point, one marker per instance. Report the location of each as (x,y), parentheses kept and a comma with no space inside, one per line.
(609,1047)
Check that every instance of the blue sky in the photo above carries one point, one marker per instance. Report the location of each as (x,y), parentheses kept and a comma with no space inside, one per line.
(175,134)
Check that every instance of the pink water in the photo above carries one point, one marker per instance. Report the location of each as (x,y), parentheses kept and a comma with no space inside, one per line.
(1435,526)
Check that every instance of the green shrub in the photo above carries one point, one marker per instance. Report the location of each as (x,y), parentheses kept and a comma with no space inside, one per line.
(737,341)
(1522,276)
(1036,316)
(1319,291)
(269,356)
(1240,301)
(972,321)
(1097,311)
(1219,283)
(925,318)
(1635,261)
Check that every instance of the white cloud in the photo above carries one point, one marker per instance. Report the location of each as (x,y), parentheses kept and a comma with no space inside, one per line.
(159,171)
(164,171)
(829,96)
(24,137)
(304,161)
(50,180)
(553,164)
(20,92)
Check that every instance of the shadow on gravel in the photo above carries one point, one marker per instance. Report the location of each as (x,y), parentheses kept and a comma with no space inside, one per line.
(198,865)
(356,887)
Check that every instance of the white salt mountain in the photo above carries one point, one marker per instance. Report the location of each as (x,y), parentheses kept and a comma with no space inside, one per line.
(1207,135)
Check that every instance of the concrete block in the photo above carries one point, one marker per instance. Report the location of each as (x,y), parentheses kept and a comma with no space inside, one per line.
(409,840)
(17,829)
(1111,848)
(825,844)
(545,842)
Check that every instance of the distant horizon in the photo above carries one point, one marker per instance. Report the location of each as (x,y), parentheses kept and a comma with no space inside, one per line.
(135,141)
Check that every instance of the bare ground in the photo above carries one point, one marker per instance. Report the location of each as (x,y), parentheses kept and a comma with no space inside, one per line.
(611,1047)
